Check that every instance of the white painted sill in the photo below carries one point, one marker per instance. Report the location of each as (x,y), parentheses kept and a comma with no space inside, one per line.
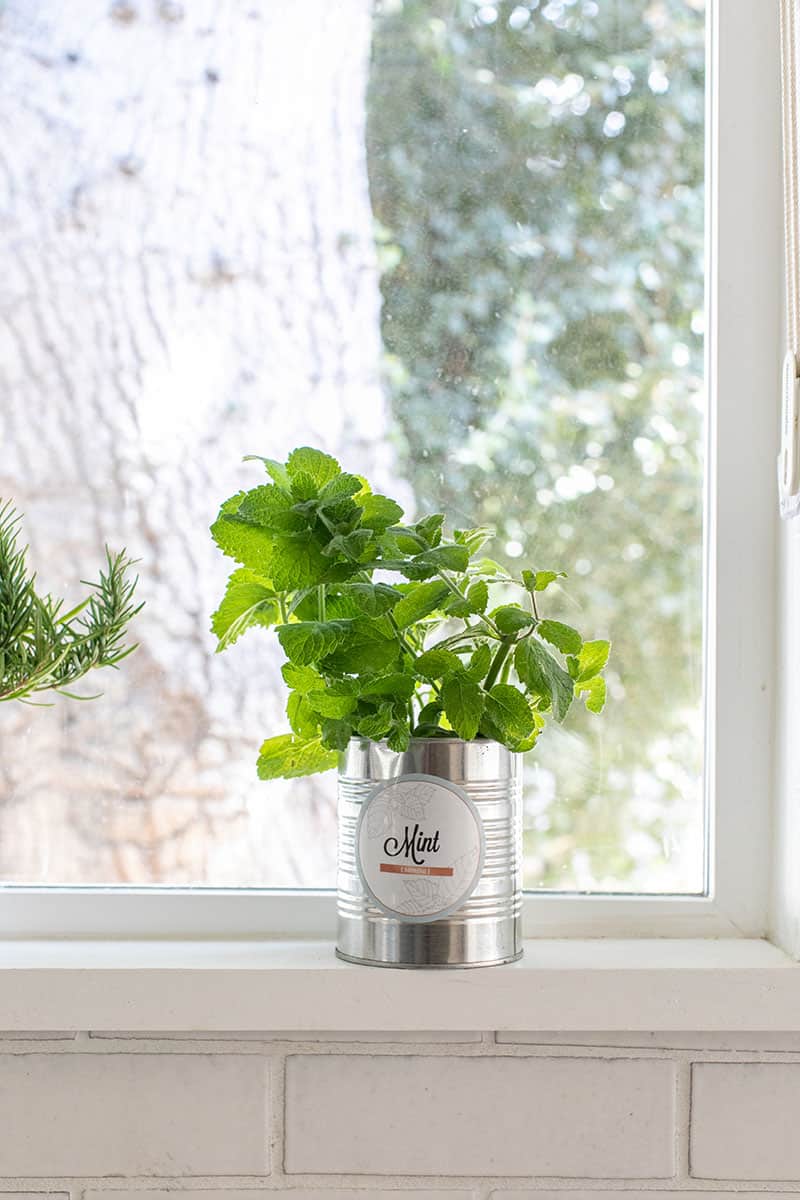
(698,985)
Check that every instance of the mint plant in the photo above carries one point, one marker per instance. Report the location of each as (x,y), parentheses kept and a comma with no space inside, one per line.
(390,630)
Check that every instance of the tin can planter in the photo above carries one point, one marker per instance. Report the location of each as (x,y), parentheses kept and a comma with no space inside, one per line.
(430,854)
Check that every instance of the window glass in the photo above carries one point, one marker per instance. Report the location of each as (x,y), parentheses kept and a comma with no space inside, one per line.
(460,246)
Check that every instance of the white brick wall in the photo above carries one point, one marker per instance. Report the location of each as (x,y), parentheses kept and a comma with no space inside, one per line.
(345,1117)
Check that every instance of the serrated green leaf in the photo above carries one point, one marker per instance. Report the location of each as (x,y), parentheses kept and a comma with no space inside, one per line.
(563,637)
(248,601)
(336,734)
(478,596)
(302,718)
(538,581)
(479,663)
(379,512)
(275,470)
(418,602)
(349,545)
(539,671)
(463,705)
(395,684)
(398,737)
(244,543)
(473,539)
(595,690)
(297,562)
(372,599)
(309,641)
(269,507)
(508,709)
(341,487)
(430,528)
(303,679)
(290,757)
(330,703)
(449,557)
(592,658)
(307,461)
(376,725)
(437,664)
(510,619)
(367,648)
(429,713)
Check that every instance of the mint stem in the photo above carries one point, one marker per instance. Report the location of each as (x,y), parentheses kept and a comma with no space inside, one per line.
(497,663)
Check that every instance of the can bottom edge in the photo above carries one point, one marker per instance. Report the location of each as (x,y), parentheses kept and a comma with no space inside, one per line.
(429,966)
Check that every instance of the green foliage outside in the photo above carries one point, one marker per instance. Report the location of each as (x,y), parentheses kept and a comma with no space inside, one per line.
(536,173)
(431,654)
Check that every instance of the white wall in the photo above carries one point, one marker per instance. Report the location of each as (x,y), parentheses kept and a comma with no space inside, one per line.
(351,1116)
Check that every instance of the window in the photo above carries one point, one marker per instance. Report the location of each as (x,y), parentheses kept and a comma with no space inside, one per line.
(462,246)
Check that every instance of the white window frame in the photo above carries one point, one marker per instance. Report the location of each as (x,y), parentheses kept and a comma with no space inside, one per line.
(744,265)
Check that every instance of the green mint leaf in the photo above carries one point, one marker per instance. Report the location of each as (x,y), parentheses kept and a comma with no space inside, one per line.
(479,663)
(396,684)
(271,508)
(303,679)
(463,705)
(304,489)
(309,641)
(592,658)
(448,557)
(377,724)
(379,512)
(474,539)
(507,708)
(244,543)
(307,461)
(595,690)
(330,703)
(367,648)
(372,599)
(429,713)
(437,664)
(302,718)
(478,596)
(539,671)
(248,601)
(488,566)
(538,581)
(297,562)
(290,757)
(350,545)
(341,487)
(419,602)
(398,737)
(275,470)
(430,529)
(563,637)
(336,734)
(510,619)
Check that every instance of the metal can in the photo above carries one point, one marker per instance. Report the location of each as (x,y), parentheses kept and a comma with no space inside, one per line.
(430,854)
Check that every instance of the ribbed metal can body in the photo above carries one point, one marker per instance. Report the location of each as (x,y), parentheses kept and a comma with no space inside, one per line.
(442,801)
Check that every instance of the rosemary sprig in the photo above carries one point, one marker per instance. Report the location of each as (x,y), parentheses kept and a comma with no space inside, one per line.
(43,648)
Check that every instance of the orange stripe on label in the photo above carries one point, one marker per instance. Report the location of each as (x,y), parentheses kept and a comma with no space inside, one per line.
(400,869)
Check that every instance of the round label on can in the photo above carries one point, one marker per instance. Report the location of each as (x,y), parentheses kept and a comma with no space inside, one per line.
(419,847)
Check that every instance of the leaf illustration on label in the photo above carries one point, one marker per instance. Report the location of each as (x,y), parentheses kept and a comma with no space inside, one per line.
(423,896)
(413,804)
(464,869)
(379,818)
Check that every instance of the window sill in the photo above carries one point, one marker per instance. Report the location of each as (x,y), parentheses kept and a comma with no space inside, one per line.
(559,986)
